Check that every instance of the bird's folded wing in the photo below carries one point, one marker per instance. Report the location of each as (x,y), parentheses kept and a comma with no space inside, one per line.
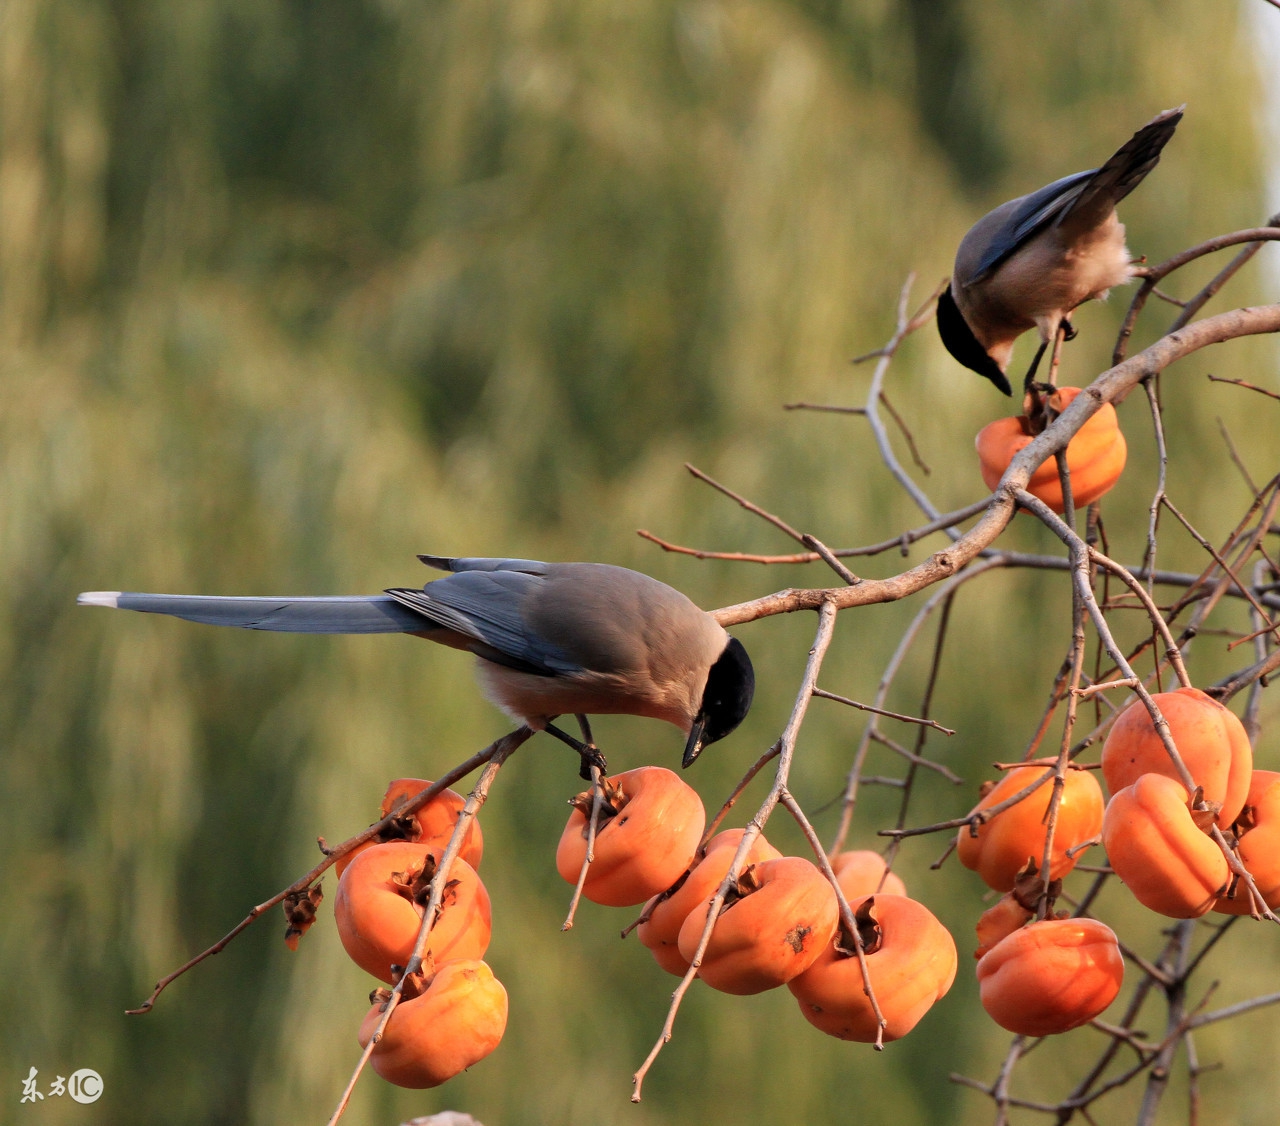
(486,607)
(373,613)
(482,563)
(1036,212)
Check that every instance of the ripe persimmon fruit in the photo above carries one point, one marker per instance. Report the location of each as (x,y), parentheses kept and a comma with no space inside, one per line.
(1005,843)
(1095,456)
(999,921)
(667,911)
(456,1021)
(1257,828)
(1210,740)
(1051,976)
(1168,862)
(380,903)
(911,961)
(781,916)
(648,831)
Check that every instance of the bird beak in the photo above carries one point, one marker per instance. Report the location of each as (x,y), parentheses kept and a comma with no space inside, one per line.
(693,748)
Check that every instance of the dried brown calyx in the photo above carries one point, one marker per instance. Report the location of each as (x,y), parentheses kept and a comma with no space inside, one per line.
(746,883)
(613,801)
(300,909)
(415,884)
(870,933)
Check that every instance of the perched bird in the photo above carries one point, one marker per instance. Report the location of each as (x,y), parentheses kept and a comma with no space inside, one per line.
(551,639)
(1031,261)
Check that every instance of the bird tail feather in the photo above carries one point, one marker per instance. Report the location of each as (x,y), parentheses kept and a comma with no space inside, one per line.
(1123,172)
(375,613)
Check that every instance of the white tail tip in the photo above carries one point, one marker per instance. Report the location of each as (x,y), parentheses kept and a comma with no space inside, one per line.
(109,598)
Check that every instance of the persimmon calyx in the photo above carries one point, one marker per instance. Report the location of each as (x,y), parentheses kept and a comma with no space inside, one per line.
(1038,412)
(746,883)
(1247,819)
(1029,889)
(870,933)
(415,983)
(403,827)
(300,909)
(1203,813)
(613,801)
(414,884)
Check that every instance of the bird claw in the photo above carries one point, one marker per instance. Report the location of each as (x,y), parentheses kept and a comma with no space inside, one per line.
(591,757)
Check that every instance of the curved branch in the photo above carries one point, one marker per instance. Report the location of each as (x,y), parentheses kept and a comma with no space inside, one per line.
(1108,387)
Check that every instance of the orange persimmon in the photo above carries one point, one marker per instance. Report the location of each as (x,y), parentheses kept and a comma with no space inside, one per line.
(1004,844)
(782,915)
(1209,738)
(911,960)
(1051,976)
(660,932)
(1258,830)
(1095,456)
(455,1022)
(1168,862)
(863,872)
(382,896)
(433,824)
(649,829)
(999,922)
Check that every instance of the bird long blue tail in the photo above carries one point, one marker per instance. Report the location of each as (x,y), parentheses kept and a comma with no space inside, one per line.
(373,613)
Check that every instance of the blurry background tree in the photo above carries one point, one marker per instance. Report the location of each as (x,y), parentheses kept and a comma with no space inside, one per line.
(290,291)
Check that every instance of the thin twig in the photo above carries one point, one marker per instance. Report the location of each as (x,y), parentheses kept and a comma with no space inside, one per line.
(1241,382)
(881,711)
(742,501)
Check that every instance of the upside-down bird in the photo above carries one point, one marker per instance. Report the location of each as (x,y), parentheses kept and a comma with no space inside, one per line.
(1031,261)
(550,639)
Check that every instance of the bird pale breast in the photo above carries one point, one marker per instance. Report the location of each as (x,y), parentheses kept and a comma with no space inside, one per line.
(1047,278)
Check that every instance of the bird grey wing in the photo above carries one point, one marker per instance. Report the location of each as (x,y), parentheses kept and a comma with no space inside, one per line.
(480,563)
(1036,212)
(373,613)
(485,606)
(1123,172)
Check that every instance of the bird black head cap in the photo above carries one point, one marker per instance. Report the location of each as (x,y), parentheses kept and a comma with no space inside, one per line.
(963,345)
(726,699)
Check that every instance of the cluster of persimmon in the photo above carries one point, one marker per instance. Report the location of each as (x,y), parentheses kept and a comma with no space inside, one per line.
(1038,973)
(1038,976)
(453,1012)
(1044,975)
(1157,831)
(1095,455)
(780,924)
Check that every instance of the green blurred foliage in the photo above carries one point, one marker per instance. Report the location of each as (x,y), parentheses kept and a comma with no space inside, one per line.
(291,290)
